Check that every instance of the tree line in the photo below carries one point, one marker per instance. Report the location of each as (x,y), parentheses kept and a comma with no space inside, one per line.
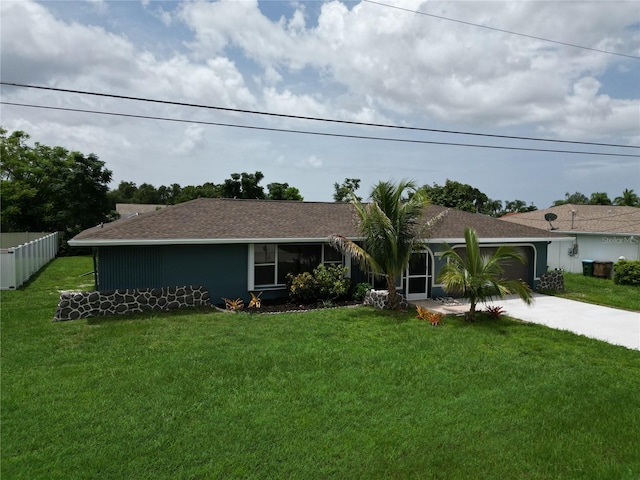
(239,185)
(53,189)
(628,198)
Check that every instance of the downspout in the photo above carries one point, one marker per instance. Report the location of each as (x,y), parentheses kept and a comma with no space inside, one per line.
(95,269)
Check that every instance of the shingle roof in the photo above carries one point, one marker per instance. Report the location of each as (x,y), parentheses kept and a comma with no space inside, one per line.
(583,218)
(455,221)
(221,220)
(128,209)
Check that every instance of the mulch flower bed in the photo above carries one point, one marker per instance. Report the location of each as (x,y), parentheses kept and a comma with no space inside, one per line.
(285,305)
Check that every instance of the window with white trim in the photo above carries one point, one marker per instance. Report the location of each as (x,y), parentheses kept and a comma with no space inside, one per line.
(273,262)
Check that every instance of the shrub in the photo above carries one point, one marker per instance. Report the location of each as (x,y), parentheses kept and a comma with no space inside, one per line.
(325,283)
(302,287)
(495,311)
(627,272)
(360,291)
(330,281)
(434,318)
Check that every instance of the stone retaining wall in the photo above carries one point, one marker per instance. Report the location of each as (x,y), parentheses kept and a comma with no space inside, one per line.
(74,305)
(551,281)
(378,299)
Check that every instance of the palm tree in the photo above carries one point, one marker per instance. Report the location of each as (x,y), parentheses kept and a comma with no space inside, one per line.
(392,231)
(480,277)
(628,198)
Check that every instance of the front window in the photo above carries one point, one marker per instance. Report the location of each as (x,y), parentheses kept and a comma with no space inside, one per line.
(296,259)
(265,264)
(272,262)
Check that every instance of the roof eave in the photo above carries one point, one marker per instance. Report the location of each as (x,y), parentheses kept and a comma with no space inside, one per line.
(192,241)
(484,240)
(608,234)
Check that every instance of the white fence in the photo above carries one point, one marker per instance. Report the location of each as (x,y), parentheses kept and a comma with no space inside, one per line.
(19,263)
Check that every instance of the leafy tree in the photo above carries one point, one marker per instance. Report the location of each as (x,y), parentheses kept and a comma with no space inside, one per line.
(576,198)
(282,191)
(49,188)
(344,192)
(599,198)
(391,229)
(243,185)
(460,196)
(628,198)
(146,194)
(209,190)
(479,277)
(123,194)
(190,192)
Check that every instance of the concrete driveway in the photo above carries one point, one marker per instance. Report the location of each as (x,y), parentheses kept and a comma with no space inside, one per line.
(618,327)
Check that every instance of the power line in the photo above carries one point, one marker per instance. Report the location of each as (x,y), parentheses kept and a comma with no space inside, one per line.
(323,134)
(317,119)
(504,31)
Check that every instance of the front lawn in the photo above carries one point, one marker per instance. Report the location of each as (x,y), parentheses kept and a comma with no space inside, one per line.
(345,393)
(600,291)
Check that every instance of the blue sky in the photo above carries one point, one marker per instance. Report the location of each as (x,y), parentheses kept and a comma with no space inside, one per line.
(354,61)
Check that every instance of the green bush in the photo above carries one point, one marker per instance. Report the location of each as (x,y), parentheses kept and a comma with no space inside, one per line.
(627,272)
(325,284)
(360,290)
(330,281)
(302,287)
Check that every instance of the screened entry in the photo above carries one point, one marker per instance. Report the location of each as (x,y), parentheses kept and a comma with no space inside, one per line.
(418,276)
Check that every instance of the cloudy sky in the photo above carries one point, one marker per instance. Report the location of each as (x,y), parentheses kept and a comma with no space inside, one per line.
(395,62)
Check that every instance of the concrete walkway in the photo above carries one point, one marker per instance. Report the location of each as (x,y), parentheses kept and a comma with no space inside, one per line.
(618,327)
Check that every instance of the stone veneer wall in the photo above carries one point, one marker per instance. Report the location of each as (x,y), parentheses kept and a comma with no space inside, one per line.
(74,305)
(378,299)
(551,281)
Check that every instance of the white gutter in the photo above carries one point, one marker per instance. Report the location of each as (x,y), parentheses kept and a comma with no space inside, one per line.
(606,234)
(193,241)
(483,240)
(221,241)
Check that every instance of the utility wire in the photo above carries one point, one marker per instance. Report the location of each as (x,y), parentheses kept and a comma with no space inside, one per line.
(503,31)
(317,119)
(307,132)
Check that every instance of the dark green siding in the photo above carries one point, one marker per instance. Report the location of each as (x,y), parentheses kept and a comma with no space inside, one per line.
(222,269)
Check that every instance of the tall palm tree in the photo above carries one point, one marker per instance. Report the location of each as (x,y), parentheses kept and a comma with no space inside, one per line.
(392,230)
(628,198)
(480,277)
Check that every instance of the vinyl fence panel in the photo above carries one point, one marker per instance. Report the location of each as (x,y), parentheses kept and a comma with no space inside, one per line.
(18,264)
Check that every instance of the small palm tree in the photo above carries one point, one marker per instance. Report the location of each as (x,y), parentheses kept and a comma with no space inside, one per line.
(480,277)
(391,227)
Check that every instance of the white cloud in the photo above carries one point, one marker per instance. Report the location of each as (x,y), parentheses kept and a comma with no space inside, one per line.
(99,5)
(430,67)
(287,103)
(588,115)
(314,161)
(88,57)
(361,62)
(193,140)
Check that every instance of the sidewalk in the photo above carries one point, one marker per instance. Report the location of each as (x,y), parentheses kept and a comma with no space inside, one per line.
(618,327)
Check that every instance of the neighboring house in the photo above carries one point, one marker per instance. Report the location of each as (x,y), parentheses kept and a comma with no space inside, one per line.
(233,247)
(602,233)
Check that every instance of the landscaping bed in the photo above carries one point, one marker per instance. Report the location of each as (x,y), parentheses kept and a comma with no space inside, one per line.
(282,305)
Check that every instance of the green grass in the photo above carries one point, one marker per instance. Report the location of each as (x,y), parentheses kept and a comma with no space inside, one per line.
(600,291)
(345,393)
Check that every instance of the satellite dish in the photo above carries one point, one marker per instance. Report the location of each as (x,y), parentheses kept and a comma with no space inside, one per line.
(550,217)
